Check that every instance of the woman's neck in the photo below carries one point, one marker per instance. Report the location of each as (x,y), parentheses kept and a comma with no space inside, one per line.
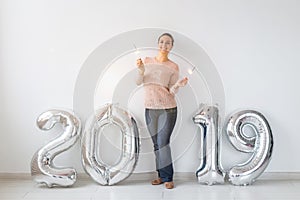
(162,56)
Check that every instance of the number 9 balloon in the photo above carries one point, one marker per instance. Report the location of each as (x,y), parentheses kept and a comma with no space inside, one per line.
(260,145)
(42,168)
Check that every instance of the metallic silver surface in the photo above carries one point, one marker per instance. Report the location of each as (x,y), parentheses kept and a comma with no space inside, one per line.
(261,145)
(208,120)
(93,165)
(42,168)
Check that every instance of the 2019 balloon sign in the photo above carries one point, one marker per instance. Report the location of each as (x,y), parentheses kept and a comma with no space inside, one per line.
(209,172)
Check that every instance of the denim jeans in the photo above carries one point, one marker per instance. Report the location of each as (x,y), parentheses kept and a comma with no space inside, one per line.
(160,124)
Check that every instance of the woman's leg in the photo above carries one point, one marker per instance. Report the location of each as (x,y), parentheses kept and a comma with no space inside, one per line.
(160,124)
(166,123)
(151,116)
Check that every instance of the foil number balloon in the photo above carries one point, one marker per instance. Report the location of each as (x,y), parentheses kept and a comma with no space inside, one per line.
(42,168)
(207,119)
(260,145)
(93,165)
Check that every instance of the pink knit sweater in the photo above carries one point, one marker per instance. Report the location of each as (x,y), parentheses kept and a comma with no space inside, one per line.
(159,81)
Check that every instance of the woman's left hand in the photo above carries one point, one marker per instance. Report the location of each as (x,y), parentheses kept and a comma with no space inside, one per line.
(182,82)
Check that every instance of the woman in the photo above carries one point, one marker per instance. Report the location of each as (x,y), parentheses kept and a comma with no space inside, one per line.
(160,78)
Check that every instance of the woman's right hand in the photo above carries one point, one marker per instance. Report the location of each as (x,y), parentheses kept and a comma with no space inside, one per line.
(139,63)
(140,66)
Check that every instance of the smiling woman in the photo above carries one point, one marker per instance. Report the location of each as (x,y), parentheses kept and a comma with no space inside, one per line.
(160,78)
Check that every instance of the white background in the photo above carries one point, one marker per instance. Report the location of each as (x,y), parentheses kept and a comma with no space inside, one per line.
(254,45)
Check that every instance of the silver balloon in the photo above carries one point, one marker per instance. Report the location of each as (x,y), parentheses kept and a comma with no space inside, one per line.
(93,165)
(260,145)
(207,119)
(42,168)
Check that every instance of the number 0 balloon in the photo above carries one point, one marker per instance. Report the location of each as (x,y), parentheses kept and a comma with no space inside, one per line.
(93,165)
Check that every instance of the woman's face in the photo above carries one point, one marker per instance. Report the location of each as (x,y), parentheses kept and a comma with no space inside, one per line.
(165,43)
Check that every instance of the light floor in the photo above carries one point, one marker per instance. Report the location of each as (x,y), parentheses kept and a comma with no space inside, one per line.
(186,188)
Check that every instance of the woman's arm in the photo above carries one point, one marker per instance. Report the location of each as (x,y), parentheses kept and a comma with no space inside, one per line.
(173,87)
(141,71)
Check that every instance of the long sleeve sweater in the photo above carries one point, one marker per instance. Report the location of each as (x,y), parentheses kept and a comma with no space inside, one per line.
(160,83)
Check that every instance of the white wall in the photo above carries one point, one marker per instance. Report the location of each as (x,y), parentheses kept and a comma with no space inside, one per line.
(43,44)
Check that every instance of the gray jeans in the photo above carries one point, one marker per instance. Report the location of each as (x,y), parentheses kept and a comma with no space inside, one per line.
(160,124)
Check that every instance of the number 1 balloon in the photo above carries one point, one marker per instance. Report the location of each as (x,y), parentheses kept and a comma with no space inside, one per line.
(207,119)
(42,168)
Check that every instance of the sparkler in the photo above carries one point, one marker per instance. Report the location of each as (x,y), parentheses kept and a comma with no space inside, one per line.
(137,52)
(191,71)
